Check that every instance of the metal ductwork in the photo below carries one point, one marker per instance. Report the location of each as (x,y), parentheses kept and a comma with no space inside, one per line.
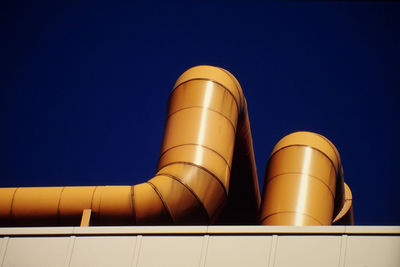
(304,183)
(206,173)
(206,165)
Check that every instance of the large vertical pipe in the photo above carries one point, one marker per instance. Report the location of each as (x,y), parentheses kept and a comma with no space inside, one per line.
(303,182)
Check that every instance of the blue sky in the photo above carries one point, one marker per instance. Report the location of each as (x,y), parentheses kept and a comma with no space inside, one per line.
(84,87)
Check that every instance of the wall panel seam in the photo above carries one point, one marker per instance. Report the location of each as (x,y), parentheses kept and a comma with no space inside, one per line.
(70,251)
(136,253)
(3,250)
(272,252)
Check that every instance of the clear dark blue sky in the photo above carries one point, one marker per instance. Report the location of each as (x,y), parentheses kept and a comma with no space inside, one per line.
(84,87)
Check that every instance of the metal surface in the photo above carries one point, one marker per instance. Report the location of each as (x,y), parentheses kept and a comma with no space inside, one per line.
(206,173)
(207,121)
(345,215)
(304,182)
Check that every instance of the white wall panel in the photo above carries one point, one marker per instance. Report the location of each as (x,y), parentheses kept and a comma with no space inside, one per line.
(170,251)
(307,251)
(373,251)
(103,251)
(201,246)
(36,251)
(238,251)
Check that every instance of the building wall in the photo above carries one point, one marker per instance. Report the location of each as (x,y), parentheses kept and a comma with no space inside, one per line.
(201,246)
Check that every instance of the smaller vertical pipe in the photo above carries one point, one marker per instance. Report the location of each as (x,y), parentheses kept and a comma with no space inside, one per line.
(300,181)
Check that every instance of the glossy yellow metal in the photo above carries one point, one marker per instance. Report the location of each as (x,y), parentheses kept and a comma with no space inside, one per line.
(301,184)
(73,200)
(345,215)
(44,206)
(6,200)
(190,94)
(205,134)
(208,189)
(85,221)
(149,208)
(207,121)
(313,140)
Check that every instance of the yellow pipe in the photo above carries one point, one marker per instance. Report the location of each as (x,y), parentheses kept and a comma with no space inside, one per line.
(304,182)
(345,216)
(207,114)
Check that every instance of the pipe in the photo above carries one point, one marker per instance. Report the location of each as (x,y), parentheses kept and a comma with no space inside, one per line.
(304,183)
(207,121)
(346,215)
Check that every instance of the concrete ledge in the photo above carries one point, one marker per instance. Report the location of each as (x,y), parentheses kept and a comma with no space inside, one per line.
(200,230)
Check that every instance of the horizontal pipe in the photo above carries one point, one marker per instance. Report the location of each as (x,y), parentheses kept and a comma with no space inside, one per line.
(207,121)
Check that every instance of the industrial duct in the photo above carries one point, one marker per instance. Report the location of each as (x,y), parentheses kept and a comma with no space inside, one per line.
(207,121)
(206,173)
(304,184)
